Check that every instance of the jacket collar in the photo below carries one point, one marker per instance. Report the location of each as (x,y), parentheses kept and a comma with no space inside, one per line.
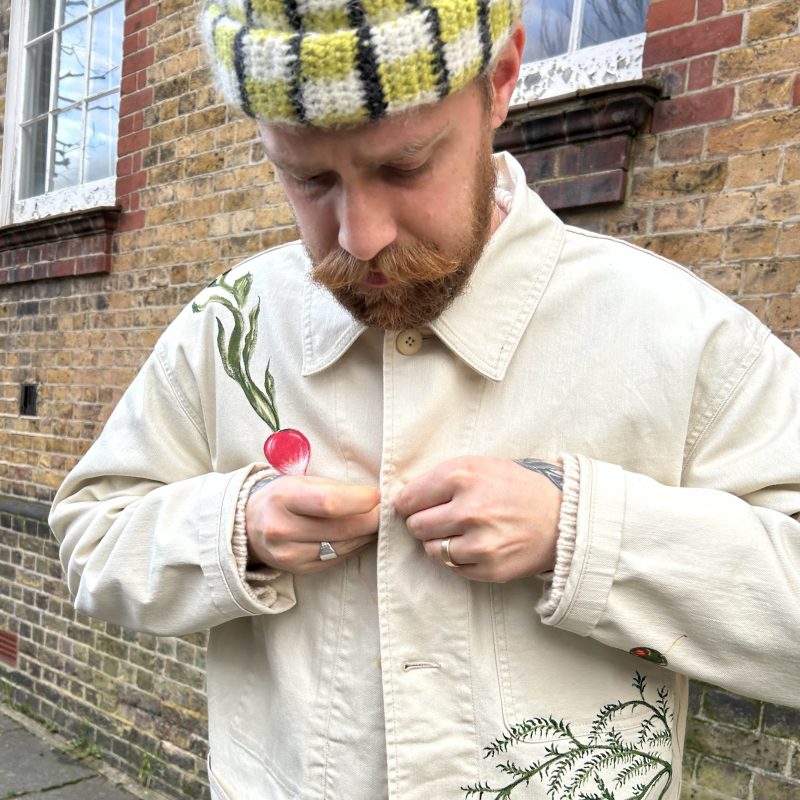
(485,323)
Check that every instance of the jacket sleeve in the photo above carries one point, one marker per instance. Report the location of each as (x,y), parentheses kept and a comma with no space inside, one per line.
(146,526)
(705,575)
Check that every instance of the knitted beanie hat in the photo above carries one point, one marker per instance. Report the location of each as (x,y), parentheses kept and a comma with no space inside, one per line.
(341,62)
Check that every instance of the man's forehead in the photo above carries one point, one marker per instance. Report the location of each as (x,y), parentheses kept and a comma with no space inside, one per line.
(386,141)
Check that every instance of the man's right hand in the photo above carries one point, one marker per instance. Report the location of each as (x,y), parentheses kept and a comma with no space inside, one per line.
(288,518)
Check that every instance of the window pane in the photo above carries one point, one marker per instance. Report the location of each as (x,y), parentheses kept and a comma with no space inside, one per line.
(547,24)
(42,18)
(100,155)
(37,98)
(72,64)
(606,20)
(106,49)
(33,167)
(73,9)
(67,155)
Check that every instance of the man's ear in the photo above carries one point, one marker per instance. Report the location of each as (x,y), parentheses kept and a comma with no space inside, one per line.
(505,73)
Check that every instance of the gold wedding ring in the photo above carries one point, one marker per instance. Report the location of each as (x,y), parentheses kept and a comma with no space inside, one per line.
(446,553)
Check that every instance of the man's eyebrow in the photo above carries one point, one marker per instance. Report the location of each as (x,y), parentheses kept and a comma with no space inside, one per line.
(413,148)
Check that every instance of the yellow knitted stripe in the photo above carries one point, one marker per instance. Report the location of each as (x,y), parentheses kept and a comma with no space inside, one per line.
(455,17)
(333,120)
(330,56)
(408,77)
(224,34)
(328,21)
(270,99)
(384,9)
(461,79)
(500,19)
(273,11)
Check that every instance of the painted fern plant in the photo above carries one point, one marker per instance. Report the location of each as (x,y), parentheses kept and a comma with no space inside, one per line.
(578,769)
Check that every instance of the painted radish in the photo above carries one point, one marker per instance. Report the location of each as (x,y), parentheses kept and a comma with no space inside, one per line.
(287,449)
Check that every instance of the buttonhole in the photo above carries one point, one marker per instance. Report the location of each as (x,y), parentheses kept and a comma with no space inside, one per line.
(409,665)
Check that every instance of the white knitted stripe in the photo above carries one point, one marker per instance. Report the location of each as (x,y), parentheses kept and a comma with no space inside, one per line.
(402,38)
(463,52)
(567,533)
(319,6)
(342,98)
(256,581)
(270,59)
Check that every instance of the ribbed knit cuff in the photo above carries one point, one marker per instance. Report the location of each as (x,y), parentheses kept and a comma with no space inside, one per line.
(567,531)
(256,580)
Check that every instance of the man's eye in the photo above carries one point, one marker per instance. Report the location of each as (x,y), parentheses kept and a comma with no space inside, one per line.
(311,182)
(407,173)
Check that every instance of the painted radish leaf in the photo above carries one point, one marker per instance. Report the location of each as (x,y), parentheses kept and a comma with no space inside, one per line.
(286,449)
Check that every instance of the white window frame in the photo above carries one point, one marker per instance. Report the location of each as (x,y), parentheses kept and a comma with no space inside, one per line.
(580,68)
(62,201)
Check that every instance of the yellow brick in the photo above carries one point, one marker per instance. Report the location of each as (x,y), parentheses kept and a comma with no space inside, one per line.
(774,91)
(689,179)
(754,134)
(730,208)
(775,20)
(754,169)
(772,276)
(676,216)
(776,55)
(757,241)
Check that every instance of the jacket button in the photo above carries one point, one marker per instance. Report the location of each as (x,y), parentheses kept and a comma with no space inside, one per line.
(409,341)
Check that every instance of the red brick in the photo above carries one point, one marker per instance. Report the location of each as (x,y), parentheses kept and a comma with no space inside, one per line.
(538,165)
(584,190)
(130,45)
(132,142)
(796,93)
(141,19)
(131,183)
(709,8)
(131,221)
(669,13)
(132,6)
(606,154)
(131,103)
(693,40)
(694,109)
(701,73)
(138,61)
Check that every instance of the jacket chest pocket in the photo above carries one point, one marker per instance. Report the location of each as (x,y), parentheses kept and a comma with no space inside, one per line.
(578,715)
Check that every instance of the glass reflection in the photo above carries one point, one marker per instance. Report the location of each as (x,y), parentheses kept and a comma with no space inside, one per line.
(100,153)
(72,64)
(37,98)
(547,23)
(606,20)
(104,71)
(34,159)
(74,9)
(67,149)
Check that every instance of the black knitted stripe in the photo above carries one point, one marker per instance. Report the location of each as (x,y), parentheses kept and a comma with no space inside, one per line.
(295,93)
(439,64)
(293,15)
(366,61)
(238,65)
(248,10)
(486,36)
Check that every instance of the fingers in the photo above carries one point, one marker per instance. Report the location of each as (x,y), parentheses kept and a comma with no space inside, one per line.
(303,558)
(316,497)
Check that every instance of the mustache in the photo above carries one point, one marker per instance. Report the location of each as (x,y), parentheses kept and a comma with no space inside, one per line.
(402,264)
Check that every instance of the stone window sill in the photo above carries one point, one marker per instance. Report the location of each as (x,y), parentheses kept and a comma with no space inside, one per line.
(78,243)
(575,149)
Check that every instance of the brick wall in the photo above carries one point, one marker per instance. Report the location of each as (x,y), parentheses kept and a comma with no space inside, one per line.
(713,181)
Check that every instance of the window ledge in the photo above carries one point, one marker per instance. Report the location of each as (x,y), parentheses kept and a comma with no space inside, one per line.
(575,148)
(78,243)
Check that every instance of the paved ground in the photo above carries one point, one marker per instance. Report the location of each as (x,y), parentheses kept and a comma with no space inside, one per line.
(36,765)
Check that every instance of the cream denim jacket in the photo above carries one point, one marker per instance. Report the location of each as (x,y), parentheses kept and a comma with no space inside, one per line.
(390,675)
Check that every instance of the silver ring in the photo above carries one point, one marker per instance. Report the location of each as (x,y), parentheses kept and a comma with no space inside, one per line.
(326,551)
(446,553)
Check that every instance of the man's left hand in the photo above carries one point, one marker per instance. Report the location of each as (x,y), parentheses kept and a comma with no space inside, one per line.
(501,518)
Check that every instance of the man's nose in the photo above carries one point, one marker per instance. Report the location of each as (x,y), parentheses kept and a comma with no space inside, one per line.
(366,223)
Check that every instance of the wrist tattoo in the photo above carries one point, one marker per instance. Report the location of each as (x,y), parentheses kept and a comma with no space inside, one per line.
(550,471)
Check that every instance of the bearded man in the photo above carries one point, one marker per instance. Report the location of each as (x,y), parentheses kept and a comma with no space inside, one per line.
(521,480)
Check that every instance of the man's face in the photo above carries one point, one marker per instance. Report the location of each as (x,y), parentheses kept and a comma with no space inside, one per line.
(394,215)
